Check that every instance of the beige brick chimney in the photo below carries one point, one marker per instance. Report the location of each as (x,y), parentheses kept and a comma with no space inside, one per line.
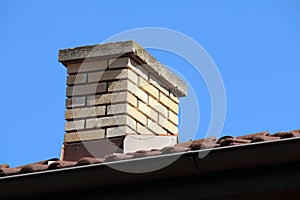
(118,95)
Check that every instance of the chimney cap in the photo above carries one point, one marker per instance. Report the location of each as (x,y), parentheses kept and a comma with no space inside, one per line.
(131,49)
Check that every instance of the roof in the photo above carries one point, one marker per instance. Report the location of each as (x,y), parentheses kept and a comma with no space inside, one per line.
(123,49)
(201,144)
(264,154)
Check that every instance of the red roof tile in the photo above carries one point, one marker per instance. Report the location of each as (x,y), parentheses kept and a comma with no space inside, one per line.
(33,168)
(6,171)
(206,143)
(89,161)
(61,164)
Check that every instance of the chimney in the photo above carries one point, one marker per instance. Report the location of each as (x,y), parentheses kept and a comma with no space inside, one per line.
(119,99)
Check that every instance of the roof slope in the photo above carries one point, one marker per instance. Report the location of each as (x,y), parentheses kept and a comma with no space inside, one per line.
(201,144)
(250,164)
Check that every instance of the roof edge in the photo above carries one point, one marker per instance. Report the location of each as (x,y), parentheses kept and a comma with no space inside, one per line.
(186,164)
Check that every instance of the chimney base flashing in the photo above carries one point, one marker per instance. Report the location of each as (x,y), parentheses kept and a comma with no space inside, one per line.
(98,148)
(133,143)
(92,148)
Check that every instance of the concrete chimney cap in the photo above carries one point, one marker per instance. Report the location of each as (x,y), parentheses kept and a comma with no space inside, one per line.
(122,49)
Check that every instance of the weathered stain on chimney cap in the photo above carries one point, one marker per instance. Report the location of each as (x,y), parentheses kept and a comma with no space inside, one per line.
(126,48)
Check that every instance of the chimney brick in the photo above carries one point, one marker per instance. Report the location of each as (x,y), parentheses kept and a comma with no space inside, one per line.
(148,111)
(154,104)
(118,89)
(86,89)
(173,117)
(147,87)
(76,79)
(164,122)
(166,101)
(117,97)
(75,102)
(143,130)
(74,125)
(104,122)
(85,135)
(85,112)
(87,66)
(119,131)
(153,126)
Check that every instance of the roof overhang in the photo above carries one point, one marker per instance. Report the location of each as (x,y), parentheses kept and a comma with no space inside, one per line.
(276,162)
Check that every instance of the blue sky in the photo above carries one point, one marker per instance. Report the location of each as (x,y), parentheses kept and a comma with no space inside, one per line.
(255,45)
